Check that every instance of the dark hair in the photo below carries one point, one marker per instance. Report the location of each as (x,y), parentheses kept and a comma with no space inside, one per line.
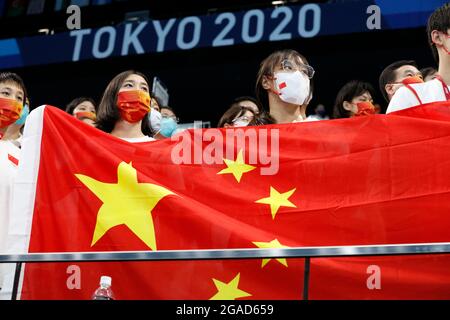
(167,107)
(266,69)
(427,72)
(233,112)
(17,80)
(388,75)
(108,112)
(75,102)
(158,101)
(440,21)
(347,93)
(249,98)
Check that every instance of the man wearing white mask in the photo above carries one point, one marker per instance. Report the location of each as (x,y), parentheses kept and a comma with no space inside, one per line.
(284,86)
(437,90)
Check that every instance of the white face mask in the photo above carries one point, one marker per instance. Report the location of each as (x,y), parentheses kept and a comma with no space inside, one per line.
(293,87)
(155,120)
(240,123)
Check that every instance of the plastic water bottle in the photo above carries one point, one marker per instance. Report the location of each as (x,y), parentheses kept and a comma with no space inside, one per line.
(104,292)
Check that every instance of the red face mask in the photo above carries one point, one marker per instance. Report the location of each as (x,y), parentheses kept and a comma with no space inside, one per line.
(10,111)
(364,109)
(412,80)
(85,115)
(133,105)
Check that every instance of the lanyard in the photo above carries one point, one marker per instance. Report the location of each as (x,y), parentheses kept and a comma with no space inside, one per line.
(445,87)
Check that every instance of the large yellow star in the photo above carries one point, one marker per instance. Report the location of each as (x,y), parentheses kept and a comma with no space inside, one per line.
(272,244)
(126,202)
(237,168)
(229,291)
(277,200)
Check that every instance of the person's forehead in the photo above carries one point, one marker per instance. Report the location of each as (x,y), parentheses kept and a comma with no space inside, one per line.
(11,85)
(85,104)
(164,110)
(365,94)
(407,68)
(135,78)
(246,103)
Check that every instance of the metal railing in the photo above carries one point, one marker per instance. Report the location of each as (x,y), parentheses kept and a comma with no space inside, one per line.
(222,254)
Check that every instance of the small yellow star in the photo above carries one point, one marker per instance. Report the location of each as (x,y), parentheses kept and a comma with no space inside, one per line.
(277,200)
(229,291)
(272,244)
(238,167)
(126,202)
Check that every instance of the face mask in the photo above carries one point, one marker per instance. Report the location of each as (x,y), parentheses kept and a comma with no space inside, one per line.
(240,123)
(364,109)
(81,115)
(23,117)
(292,87)
(10,111)
(133,105)
(412,80)
(155,120)
(168,126)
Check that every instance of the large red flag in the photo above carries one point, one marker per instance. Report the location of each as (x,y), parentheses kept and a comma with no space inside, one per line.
(370,180)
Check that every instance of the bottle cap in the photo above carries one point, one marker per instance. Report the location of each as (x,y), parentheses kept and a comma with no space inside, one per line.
(105,280)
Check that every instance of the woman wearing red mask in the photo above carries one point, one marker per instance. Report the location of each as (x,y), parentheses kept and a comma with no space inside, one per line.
(83,108)
(124,107)
(354,99)
(284,87)
(12,98)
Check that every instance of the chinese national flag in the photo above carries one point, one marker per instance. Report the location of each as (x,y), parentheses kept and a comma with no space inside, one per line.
(368,180)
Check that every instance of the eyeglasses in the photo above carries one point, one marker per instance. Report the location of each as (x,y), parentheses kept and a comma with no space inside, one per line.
(290,66)
(170,117)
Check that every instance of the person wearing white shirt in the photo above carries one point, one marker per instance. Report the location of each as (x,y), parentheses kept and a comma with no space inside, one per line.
(437,90)
(397,75)
(124,108)
(12,98)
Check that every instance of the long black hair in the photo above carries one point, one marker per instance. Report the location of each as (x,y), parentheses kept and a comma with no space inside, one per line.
(347,93)
(108,112)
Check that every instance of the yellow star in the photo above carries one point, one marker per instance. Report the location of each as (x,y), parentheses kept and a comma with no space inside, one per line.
(238,167)
(277,200)
(229,291)
(272,244)
(126,202)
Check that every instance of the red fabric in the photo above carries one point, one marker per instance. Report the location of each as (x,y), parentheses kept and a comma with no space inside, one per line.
(13,159)
(366,180)
(133,105)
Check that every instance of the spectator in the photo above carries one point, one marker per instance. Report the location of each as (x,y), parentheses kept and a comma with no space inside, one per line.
(14,131)
(249,102)
(167,112)
(320,113)
(237,116)
(397,75)
(83,109)
(354,99)
(429,74)
(436,90)
(13,95)
(168,123)
(283,86)
(124,108)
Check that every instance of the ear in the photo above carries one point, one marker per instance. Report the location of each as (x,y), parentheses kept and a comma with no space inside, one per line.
(436,37)
(266,83)
(347,106)
(389,89)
